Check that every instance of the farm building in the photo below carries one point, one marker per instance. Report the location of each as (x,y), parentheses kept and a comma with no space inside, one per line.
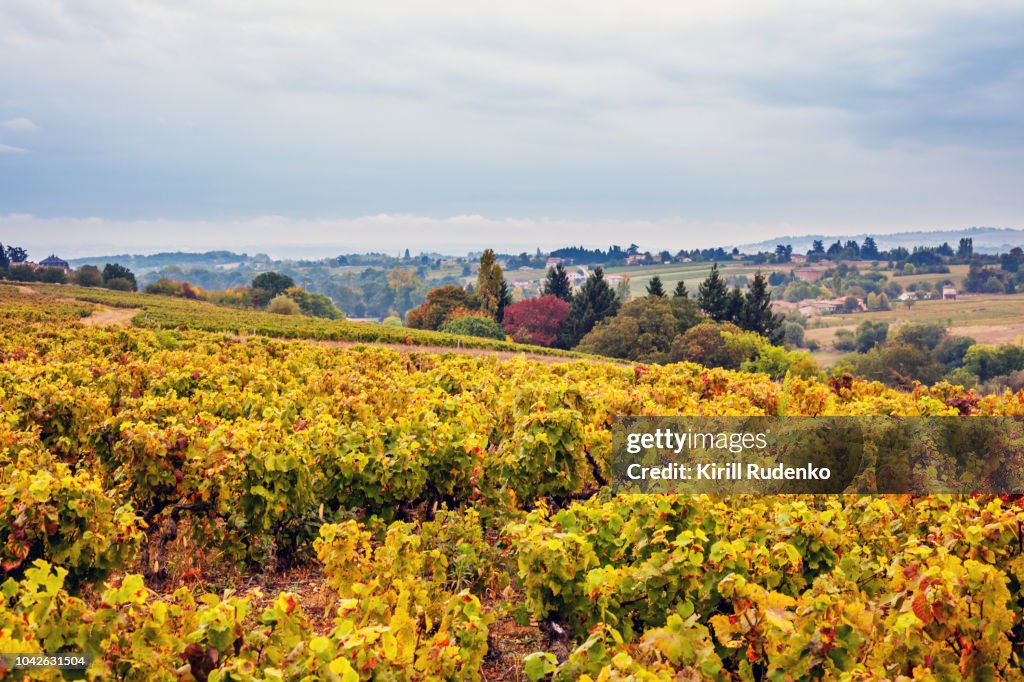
(52,261)
(948,293)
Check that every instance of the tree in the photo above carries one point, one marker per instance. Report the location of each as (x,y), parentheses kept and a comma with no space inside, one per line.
(116,271)
(474,325)
(655,287)
(594,301)
(704,345)
(793,334)
(870,334)
(536,320)
(504,300)
(869,250)
(924,335)
(16,254)
(88,276)
(734,303)
(643,330)
(898,365)
(712,295)
(557,283)
(314,305)
(488,284)
(680,290)
(434,311)
(273,283)
(756,315)
(965,249)
(5,262)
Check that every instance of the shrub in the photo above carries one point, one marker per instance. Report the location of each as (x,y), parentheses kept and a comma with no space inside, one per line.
(483,327)
(392,321)
(165,287)
(20,272)
(844,340)
(88,276)
(121,284)
(52,275)
(282,305)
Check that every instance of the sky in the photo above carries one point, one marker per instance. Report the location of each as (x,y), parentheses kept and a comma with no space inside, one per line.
(298,127)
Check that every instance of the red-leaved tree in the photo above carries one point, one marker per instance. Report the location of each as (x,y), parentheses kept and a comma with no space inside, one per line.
(536,320)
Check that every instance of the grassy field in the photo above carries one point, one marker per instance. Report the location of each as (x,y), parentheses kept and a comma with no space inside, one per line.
(691,273)
(988,318)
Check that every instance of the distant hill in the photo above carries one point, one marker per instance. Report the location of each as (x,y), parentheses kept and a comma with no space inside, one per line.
(986,239)
(155,261)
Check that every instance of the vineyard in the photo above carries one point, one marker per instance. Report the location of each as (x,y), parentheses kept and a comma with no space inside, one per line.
(183,503)
(166,312)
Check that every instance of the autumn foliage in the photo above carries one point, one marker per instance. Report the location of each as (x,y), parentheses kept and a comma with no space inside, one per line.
(536,320)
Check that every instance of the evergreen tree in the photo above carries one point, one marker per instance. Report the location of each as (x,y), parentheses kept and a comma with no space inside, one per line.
(655,287)
(680,290)
(712,294)
(869,250)
(557,284)
(734,303)
(504,300)
(757,315)
(594,301)
(488,284)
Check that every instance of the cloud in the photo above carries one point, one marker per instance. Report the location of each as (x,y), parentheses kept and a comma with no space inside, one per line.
(8,149)
(871,114)
(289,237)
(20,125)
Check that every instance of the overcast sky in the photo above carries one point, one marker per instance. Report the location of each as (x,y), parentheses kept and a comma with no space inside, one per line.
(300,126)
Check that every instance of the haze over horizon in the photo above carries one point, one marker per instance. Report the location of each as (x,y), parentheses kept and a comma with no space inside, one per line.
(297,127)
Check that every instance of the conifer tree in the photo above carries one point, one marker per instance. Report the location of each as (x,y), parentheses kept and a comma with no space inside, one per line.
(594,301)
(655,287)
(557,284)
(757,315)
(680,290)
(504,300)
(712,295)
(734,302)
